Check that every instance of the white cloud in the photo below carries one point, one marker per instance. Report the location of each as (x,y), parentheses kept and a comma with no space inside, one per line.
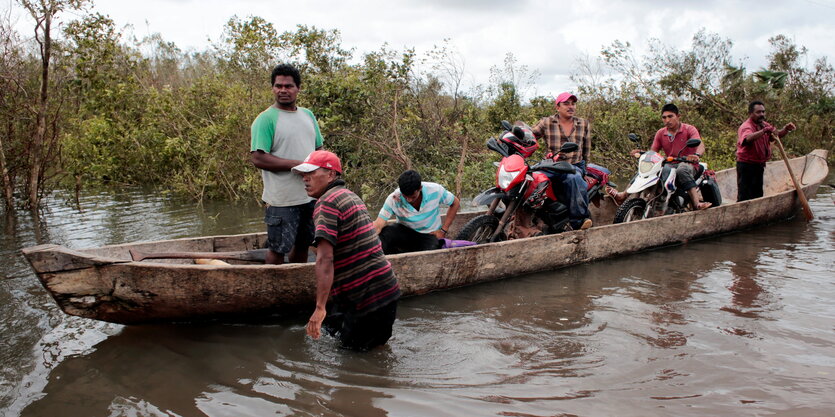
(545,35)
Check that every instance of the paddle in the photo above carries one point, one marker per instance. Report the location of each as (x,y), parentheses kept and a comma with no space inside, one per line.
(802,197)
(256,255)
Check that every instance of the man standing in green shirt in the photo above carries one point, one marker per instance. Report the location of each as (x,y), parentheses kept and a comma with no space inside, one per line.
(282,136)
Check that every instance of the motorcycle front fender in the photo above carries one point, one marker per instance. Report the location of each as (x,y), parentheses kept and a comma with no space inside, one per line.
(641,183)
(487,196)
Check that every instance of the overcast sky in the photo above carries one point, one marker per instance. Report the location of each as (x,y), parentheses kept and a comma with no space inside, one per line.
(546,35)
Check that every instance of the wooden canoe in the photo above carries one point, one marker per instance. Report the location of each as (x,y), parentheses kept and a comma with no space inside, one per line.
(105,284)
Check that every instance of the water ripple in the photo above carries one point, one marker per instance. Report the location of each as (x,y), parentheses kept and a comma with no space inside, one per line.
(739,324)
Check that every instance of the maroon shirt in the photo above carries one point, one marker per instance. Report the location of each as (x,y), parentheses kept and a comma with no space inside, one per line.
(673,144)
(756,152)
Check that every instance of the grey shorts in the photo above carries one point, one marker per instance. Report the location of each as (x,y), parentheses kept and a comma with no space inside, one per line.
(685,175)
(289,226)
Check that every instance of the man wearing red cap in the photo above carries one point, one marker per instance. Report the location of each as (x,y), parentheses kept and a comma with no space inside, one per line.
(558,129)
(282,136)
(351,268)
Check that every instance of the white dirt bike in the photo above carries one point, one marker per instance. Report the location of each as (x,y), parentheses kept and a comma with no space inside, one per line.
(653,190)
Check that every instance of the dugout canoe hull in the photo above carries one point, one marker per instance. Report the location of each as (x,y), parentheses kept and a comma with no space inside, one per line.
(104,284)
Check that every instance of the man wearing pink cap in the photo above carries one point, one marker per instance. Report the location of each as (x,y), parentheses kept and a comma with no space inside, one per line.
(351,269)
(558,129)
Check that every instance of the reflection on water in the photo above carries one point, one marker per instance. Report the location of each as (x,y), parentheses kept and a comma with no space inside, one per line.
(748,297)
(739,324)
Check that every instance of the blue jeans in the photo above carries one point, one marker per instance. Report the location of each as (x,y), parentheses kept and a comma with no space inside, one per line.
(571,190)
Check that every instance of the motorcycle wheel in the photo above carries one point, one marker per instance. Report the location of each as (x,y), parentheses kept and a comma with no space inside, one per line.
(479,229)
(631,210)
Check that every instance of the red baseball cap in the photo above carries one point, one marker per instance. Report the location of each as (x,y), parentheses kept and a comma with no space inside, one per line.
(564,97)
(319,159)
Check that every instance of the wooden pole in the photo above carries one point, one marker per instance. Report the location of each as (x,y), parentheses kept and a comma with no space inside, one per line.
(257,255)
(800,195)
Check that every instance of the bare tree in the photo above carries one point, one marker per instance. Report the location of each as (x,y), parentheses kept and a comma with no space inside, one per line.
(44,13)
(10,84)
(449,69)
(590,75)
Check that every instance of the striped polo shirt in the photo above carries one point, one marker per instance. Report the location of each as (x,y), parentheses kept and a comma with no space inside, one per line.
(363,280)
(427,219)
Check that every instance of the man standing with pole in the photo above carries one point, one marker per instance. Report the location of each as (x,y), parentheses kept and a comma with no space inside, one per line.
(753,150)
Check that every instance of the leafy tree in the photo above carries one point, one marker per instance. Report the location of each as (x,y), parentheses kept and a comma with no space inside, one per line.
(318,51)
(249,50)
(771,79)
(144,112)
(164,64)
(109,102)
(710,88)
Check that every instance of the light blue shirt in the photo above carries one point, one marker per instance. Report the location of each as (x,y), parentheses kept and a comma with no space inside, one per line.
(427,219)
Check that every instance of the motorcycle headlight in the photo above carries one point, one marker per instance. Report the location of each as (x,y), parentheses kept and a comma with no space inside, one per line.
(505,178)
(645,166)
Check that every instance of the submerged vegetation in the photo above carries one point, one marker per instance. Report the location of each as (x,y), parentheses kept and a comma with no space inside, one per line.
(84,104)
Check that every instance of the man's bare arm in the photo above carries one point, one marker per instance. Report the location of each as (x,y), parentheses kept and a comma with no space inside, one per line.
(271,162)
(324,282)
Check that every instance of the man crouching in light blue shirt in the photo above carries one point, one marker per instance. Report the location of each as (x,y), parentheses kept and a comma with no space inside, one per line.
(416,207)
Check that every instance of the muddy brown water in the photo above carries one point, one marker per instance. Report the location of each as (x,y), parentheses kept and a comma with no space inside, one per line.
(741,324)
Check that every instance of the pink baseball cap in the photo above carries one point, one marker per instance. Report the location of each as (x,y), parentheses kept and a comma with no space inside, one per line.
(319,159)
(564,97)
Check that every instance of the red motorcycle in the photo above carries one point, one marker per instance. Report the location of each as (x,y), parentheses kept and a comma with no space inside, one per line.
(522,204)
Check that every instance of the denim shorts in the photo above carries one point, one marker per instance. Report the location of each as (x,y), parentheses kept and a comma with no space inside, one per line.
(289,226)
